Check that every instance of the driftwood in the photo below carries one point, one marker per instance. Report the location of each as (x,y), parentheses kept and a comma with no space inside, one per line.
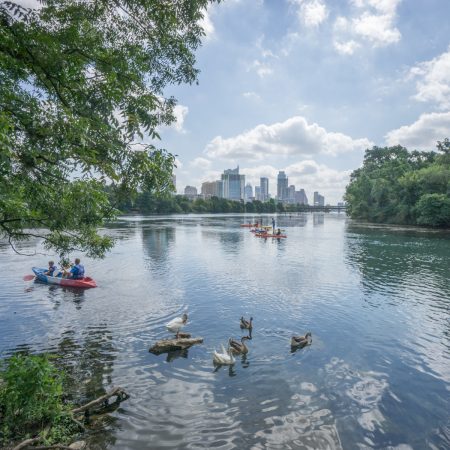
(167,345)
(117,392)
(103,400)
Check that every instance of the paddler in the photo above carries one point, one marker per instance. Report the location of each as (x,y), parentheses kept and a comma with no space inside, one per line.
(77,270)
(51,269)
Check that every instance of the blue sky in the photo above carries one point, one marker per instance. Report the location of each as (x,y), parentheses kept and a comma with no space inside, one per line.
(305,86)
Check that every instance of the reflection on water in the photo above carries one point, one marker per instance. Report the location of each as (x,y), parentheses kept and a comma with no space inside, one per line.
(377,374)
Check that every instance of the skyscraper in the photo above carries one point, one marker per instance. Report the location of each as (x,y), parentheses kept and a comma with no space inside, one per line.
(258,193)
(212,189)
(248,192)
(300,197)
(291,194)
(233,184)
(282,186)
(190,192)
(264,189)
(319,200)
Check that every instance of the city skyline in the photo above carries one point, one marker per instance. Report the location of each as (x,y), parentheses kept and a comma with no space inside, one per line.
(233,186)
(309,86)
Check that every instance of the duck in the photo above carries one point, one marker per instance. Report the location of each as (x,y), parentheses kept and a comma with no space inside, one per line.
(224,358)
(246,324)
(175,325)
(238,348)
(301,341)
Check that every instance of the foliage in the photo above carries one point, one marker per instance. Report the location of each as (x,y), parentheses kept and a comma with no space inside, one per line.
(148,203)
(398,186)
(31,400)
(81,100)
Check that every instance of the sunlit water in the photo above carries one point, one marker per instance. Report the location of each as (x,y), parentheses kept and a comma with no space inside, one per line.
(376,300)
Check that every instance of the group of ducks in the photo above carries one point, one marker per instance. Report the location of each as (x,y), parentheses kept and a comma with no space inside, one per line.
(226,357)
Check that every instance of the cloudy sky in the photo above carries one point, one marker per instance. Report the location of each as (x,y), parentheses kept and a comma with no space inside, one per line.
(305,86)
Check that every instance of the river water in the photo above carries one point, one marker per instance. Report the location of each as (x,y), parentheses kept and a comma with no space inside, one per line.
(376,300)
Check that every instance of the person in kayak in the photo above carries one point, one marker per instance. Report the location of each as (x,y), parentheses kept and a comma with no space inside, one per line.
(278,232)
(77,270)
(52,269)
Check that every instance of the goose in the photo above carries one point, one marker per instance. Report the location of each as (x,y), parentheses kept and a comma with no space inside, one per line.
(246,324)
(175,325)
(224,358)
(301,341)
(238,348)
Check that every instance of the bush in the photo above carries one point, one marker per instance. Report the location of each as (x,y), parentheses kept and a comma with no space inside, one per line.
(31,399)
(433,210)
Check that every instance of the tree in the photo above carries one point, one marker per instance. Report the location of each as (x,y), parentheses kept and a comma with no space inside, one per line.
(82,95)
(398,186)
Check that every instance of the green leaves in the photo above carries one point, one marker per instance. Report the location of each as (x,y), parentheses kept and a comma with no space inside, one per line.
(81,100)
(397,186)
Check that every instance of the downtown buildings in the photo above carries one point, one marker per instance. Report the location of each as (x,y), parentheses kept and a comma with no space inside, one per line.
(232,186)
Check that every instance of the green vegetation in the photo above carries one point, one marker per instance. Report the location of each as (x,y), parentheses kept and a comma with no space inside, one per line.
(148,203)
(402,187)
(82,94)
(31,401)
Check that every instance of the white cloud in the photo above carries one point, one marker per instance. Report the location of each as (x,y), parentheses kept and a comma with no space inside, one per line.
(311,13)
(295,136)
(261,68)
(200,163)
(207,25)
(433,83)
(372,23)
(422,134)
(306,174)
(251,95)
(180,113)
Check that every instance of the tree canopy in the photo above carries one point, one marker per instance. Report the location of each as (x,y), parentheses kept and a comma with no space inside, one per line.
(395,185)
(82,95)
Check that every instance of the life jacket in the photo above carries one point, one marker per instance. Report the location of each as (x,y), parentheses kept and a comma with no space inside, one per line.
(78,272)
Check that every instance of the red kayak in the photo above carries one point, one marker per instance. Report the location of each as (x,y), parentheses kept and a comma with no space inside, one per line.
(85,282)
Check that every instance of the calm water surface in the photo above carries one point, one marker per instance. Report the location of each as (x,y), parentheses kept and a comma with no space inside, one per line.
(376,300)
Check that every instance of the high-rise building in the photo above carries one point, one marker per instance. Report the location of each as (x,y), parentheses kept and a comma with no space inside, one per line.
(291,194)
(282,186)
(190,192)
(174,182)
(258,195)
(300,197)
(212,189)
(264,189)
(319,200)
(233,184)
(248,192)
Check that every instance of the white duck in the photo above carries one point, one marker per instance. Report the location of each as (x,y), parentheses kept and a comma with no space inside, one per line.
(224,358)
(175,325)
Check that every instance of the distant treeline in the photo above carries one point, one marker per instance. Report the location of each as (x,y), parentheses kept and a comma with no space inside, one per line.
(395,185)
(149,203)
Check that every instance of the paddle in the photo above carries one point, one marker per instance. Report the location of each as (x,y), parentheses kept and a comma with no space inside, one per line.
(29,277)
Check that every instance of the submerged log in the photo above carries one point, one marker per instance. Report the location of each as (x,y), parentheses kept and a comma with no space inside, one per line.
(167,345)
(102,401)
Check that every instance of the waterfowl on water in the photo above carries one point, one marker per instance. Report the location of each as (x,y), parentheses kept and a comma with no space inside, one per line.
(175,325)
(224,358)
(246,324)
(238,348)
(301,341)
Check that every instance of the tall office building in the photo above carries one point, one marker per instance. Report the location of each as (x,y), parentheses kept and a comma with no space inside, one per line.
(233,184)
(319,200)
(258,193)
(190,192)
(212,189)
(291,194)
(264,189)
(248,192)
(300,197)
(282,186)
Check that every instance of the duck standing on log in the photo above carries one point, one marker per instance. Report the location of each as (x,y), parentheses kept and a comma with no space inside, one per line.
(175,325)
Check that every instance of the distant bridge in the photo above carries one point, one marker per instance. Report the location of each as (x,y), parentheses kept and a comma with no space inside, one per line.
(326,208)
